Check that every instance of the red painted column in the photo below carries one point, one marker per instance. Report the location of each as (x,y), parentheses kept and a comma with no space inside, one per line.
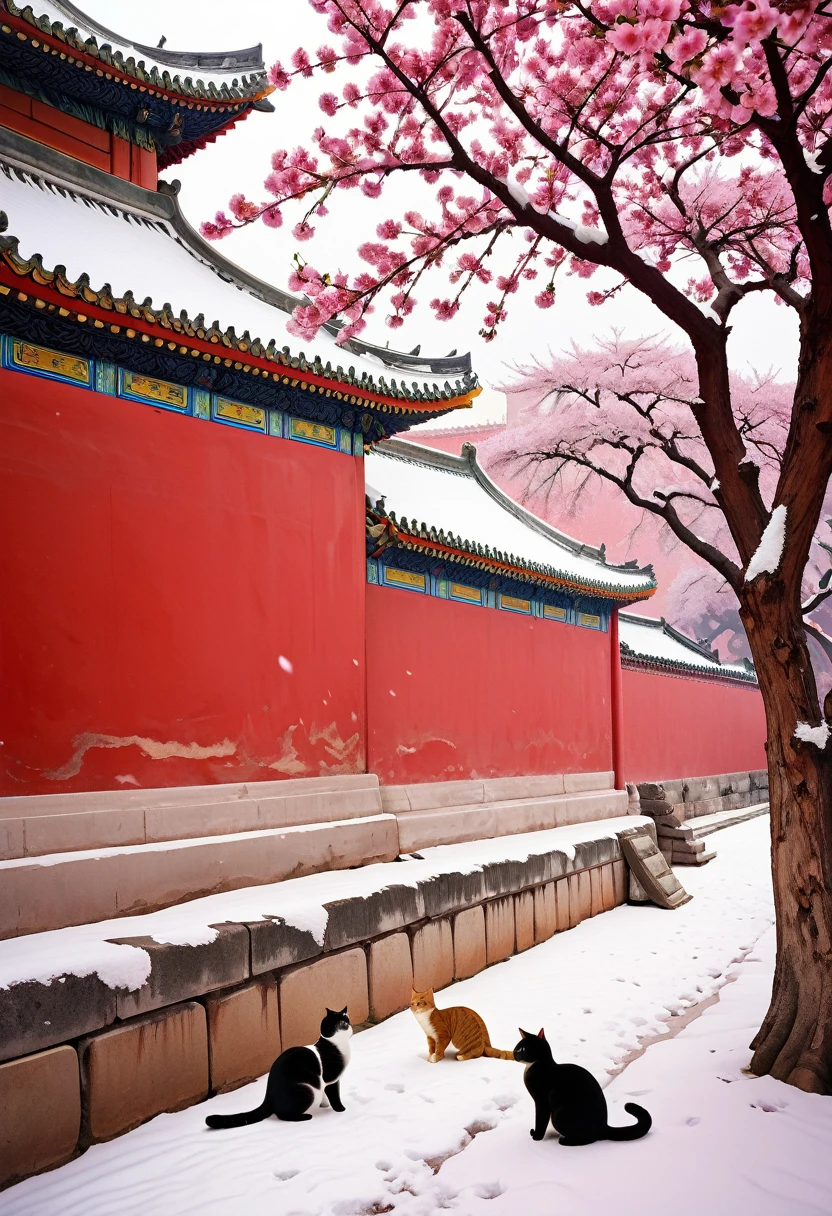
(617,703)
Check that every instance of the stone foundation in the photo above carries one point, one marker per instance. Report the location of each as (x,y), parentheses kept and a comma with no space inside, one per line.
(676,805)
(212,1018)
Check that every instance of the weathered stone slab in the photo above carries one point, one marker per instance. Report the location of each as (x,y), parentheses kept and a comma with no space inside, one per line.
(503,789)
(307,991)
(84,830)
(596,899)
(390,975)
(243,1033)
(34,1016)
(433,955)
(562,905)
(575,783)
(452,891)
(40,1112)
(180,972)
(499,929)
(11,839)
(619,879)
(607,887)
(275,944)
(545,913)
(469,943)
(131,1073)
(523,921)
(356,919)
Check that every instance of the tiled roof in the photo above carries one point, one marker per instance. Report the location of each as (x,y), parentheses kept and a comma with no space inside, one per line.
(73,32)
(155,280)
(447,506)
(648,642)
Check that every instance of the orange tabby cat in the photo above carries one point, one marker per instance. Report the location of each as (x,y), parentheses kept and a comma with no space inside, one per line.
(460,1026)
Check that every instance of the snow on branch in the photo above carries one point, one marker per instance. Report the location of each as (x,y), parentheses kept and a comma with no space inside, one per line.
(770,549)
(818,735)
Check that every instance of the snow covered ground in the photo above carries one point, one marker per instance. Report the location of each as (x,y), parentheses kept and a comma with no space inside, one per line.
(418,1138)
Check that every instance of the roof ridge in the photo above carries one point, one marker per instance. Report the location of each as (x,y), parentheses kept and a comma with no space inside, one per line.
(187,237)
(249,58)
(237,92)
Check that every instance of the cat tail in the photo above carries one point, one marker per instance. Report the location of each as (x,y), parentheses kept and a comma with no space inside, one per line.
(496,1054)
(635,1130)
(243,1119)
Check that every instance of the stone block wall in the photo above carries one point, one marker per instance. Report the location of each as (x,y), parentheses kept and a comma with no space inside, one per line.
(676,805)
(212,1018)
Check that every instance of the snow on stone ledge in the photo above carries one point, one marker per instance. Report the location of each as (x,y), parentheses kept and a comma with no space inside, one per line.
(770,549)
(299,902)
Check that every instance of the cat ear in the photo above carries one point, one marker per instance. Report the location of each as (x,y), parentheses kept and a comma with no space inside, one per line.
(540,1033)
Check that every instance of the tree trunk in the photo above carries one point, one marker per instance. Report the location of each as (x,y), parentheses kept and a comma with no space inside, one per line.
(794,1043)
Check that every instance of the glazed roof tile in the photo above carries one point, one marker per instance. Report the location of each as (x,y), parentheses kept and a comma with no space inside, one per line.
(449,503)
(236,76)
(658,644)
(109,255)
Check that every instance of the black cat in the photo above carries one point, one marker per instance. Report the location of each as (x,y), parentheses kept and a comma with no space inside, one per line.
(571,1097)
(302,1078)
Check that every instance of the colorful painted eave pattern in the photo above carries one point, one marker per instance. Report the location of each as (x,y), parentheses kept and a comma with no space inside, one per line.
(50,289)
(111,65)
(387,532)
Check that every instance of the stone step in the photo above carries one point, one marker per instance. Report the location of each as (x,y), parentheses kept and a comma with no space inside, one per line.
(436,795)
(704,825)
(420,829)
(76,888)
(59,823)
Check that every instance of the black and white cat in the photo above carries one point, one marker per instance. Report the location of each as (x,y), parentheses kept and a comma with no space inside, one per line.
(571,1098)
(302,1078)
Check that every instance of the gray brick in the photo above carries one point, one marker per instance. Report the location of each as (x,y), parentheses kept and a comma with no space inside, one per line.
(34,1015)
(180,972)
(275,944)
(358,919)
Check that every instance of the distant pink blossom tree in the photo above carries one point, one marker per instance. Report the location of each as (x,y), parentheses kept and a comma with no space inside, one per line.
(621,412)
(645,137)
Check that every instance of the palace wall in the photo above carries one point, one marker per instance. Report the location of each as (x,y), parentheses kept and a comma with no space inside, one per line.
(481,692)
(156,568)
(683,727)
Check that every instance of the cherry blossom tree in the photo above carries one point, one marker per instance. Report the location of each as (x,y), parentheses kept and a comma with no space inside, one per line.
(620,412)
(683,146)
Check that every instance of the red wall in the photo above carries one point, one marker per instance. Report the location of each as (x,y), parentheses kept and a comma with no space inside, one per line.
(677,727)
(480,692)
(82,140)
(154,568)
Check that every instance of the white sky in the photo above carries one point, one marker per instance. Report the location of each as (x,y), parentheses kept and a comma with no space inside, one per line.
(764,334)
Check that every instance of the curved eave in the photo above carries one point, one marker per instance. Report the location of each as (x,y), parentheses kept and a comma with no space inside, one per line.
(249,59)
(673,667)
(51,37)
(49,290)
(399,534)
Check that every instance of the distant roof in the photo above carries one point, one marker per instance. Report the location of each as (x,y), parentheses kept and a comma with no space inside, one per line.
(123,250)
(74,28)
(646,641)
(217,62)
(449,506)
(67,60)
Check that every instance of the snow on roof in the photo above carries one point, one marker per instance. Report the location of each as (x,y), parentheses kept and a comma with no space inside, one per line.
(168,263)
(657,642)
(223,67)
(489,410)
(454,494)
